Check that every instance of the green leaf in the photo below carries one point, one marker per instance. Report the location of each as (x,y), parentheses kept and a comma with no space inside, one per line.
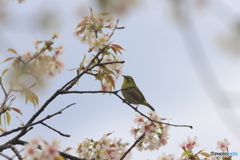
(104,13)
(4,71)
(59,158)
(4,117)
(108,134)
(8,118)
(72,69)
(185,153)
(107,70)
(0,119)
(12,99)
(110,79)
(22,124)
(82,61)
(28,97)
(205,154)
(31,96)
(35,97)
(83,22)
(67,149)
(12,50)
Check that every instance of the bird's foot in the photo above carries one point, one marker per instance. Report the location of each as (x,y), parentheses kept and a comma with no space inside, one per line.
(136,107)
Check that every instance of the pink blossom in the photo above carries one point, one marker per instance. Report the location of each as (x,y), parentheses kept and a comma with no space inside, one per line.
(223,145)
(56,35)
(139,147)
(134,131)
(59,50)
(138,118)
(191,143)
(166,157)
(50,151)
(146,127)
(106,87)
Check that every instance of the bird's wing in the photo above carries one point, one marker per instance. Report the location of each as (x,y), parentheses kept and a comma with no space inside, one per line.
(137,89)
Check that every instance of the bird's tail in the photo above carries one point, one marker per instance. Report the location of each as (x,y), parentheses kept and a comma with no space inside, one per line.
(148,105)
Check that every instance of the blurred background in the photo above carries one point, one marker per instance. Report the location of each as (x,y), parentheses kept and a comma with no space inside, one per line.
(183,54)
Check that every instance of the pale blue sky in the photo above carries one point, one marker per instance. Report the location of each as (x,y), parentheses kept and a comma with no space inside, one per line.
(156,58)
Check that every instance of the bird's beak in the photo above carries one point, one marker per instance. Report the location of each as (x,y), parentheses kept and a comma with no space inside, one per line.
(124,76)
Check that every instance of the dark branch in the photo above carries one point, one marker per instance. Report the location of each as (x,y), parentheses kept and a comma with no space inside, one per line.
(40,121)
(134,144)
(5,156)
(13,148)
(5,93)
(116,93)
(65,135)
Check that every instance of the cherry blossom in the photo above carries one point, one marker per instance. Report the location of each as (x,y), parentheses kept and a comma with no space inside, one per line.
(147,127)
(223,145)
(166,157)
(138,118)
(56,35)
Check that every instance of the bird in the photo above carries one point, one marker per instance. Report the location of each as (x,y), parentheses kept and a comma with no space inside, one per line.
(132,94)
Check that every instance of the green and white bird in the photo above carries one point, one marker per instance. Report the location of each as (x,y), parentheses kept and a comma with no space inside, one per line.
(133,95)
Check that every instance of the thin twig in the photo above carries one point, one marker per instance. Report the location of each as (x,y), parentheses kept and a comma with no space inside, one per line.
(133,145)
(101,64)
(113,30)
(3,108)
(32,124)
(5,156)
(73,81)
(120,27)
(19,152)
(13,148)
(65,135)
(174,125)
(5,93)
(37,54)
(93,74)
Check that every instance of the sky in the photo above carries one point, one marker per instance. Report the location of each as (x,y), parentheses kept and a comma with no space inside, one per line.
(187,67)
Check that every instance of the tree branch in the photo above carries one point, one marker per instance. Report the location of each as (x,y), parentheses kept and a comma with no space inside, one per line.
(4,91)
(40,121)
(116,94)
(13,148)
(5,156)
(65,135)
(134,144)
